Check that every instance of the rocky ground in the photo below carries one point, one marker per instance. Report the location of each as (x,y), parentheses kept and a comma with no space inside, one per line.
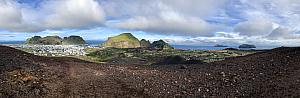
(274,73)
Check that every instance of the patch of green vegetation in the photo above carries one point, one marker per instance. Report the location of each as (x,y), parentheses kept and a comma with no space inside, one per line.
(106,54)
(55,40)
(33,40)
(51,40)
(125,40)
(148,57)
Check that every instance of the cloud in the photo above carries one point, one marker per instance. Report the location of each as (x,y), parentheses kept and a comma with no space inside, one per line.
(208,21)
(167,17)
(12,18)
(202,8)
(283,12)
(7,35)
(169,23)
(256,27)
(283,33)
(73,14)
(54,14)
(130,8)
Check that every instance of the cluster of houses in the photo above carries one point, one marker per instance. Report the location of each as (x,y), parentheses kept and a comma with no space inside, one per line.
(54,50)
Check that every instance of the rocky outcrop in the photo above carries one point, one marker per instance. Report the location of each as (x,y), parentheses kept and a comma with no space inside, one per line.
(247,46)
(125,40)
(51,40)
(34,40)
(73,40)
(162,45)
(145,43)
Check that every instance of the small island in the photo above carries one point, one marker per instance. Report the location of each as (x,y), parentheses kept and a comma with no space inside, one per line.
(247,46)
(218,45)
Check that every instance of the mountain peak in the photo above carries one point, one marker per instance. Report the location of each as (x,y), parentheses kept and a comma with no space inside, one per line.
(124,40)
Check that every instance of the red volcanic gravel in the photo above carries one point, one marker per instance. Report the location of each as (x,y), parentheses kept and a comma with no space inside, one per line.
(274,73)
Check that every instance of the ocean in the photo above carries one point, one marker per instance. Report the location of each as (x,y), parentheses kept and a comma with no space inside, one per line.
(184,47)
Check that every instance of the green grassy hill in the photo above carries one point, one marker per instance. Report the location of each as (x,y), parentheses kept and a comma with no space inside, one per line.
(125,40)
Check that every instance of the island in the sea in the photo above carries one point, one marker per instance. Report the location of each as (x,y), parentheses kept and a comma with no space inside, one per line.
(218,45)
(247,46)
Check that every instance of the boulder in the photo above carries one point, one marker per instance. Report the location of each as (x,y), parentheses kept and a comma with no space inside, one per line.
(172,60)
(145,44)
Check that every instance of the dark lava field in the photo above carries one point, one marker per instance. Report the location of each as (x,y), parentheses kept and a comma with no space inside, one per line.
(274,73)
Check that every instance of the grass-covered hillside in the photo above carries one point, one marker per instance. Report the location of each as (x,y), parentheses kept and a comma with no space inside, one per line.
(55,40)
(125,40)
(73,40)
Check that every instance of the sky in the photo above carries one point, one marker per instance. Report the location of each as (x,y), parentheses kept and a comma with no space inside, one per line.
(182,22)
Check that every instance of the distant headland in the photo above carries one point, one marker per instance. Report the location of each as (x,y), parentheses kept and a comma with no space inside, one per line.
(55,40)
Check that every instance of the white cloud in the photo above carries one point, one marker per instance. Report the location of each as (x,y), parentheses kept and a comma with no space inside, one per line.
(130,8)
(202,8)
(256,27)
(203,21)
(54,14)
(283,12)
(169,23)
(10,12)
(283,33)
(168,17)
(73,14)
(12,18)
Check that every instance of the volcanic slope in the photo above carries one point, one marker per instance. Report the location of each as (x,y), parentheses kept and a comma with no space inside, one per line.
(274,73)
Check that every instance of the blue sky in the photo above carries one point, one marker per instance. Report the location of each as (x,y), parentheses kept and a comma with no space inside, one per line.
(184,22)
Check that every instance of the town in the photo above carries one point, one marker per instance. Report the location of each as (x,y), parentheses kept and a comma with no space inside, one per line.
(53,50)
